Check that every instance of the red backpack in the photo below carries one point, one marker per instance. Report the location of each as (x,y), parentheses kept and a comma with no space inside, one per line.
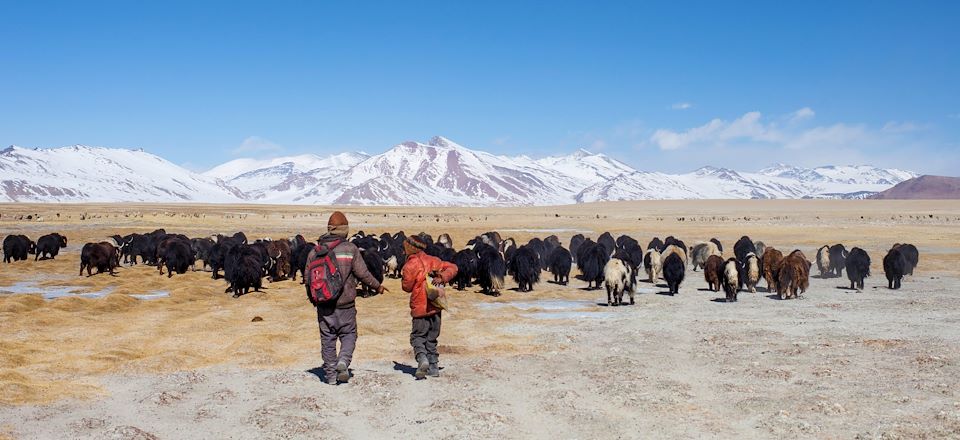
(324,280)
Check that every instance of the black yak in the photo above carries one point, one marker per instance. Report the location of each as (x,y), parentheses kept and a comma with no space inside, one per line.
(490,270)
(895,266)
(467,264)
(609,244)
(201,250)
(657,244)
(575,243)
(912,255)
(838,259)
(742,247)
(560,263)
(674,269)
(177,257)
(16,248)
(525,268)
(858,267)
(593,258)
(49,246)
(375,266)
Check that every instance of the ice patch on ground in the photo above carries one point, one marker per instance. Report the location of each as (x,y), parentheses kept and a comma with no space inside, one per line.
(156,294)
(52,292)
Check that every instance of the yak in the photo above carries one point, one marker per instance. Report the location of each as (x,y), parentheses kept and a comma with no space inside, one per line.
(674,269)
(895,266)
(525,268)
(619,277)
(858,267)
(713,272)
(560,263)
(103,256)
(49,246)
(16,248)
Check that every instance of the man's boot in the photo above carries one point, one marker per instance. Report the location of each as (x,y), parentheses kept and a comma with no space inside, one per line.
(422,366)
(343,374)
(433,370)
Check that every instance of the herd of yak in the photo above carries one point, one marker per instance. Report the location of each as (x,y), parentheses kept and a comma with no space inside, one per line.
(487,259)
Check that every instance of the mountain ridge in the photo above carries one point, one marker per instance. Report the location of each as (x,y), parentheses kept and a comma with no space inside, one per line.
(439,172)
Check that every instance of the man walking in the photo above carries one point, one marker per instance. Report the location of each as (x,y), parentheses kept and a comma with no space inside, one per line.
(426,315)
(338,319)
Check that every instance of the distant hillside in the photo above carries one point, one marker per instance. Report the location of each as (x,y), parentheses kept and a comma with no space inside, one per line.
(924,187)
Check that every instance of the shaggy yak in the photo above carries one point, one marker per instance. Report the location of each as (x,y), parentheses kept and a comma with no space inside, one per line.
(618,277)
(593,258)
(750,272)
(656,244)
(701,251)
(280,254)
(243,269)
(651,263)
(177,256)
(575,243)
(525,268)
(467,263)
(912,255)
(895,266)
(606,240)
(761,248)
(49,244)
(717,242)
(16,248)
(673,271)
(793,278)
(730,279)
(742,247)
(490,270)
(560,263)
(201,250)
(375,266)
(713,272)
(838,259)
(671,241)
(772,260)
(674,249)
(103,256)
(445,241)
(858,267)
(823,260)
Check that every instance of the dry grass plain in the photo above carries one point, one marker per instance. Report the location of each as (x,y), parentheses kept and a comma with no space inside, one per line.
(553,363)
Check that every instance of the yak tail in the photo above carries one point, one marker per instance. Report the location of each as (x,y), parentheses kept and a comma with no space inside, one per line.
(497,282)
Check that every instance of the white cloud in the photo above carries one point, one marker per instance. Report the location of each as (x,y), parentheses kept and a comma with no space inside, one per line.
(256,145)
(682,106)
(902,127)
(746,127)
(501,141)
(828,137)
(802,114)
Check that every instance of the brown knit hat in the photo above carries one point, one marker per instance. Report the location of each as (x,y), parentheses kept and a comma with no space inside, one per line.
(338,225)
(413,244)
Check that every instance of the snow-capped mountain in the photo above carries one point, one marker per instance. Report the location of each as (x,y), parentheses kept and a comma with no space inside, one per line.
(438,172)
(283,179)
(95,174)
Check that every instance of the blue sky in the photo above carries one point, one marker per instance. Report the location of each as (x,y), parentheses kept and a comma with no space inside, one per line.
(667,86)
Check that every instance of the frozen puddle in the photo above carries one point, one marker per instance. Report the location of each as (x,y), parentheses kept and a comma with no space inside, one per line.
(156,294)
(553,308)
(54,292)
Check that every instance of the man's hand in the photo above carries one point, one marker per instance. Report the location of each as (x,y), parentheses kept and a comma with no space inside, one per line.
(438,281)
(382,289)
